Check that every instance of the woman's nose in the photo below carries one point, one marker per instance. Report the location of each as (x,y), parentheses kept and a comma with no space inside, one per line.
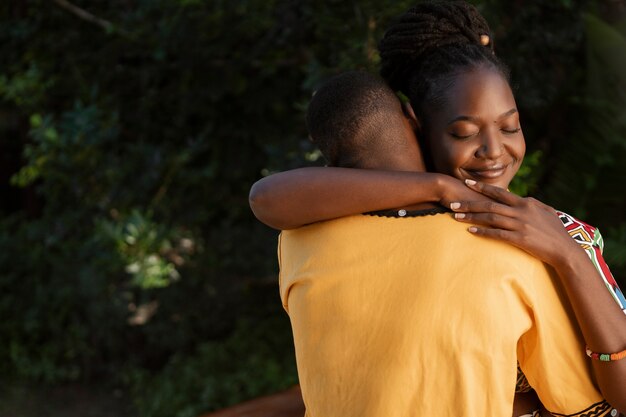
(491,146)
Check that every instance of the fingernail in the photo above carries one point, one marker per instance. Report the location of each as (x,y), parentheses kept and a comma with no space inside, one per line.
(459,215)
(470,182)
(473,229)
(455,206)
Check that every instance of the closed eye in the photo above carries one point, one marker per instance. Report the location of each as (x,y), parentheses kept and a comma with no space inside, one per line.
(457,136)
(511,131)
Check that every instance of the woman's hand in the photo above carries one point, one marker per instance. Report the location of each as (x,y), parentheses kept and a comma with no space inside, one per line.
(523,222)
(452,189)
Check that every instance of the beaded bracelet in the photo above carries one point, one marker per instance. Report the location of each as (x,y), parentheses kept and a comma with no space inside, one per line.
(606,357)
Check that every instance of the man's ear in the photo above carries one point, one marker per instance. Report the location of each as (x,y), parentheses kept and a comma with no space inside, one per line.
(410,114)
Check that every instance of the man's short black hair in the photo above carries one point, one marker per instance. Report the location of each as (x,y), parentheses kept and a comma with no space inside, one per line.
(347,116)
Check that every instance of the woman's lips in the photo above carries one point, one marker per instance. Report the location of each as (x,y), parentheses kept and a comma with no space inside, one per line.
(491,172)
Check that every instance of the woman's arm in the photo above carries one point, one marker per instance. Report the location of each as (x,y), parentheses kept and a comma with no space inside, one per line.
(535,228)
(302,196)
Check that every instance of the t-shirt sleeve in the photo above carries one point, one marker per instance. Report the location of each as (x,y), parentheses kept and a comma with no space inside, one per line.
(590,239)
(551,353)
(595,251)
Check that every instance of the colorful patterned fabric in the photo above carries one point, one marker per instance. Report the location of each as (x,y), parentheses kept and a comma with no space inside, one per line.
(522,385)
(597,410)
(536,413)
(591,241)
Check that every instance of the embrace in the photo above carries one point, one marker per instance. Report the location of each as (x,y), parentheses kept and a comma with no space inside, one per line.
(416,284)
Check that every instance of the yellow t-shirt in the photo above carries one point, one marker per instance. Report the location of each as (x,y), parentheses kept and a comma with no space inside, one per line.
(399,317)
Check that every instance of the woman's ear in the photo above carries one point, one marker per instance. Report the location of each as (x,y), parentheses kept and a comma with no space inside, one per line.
(419,133)
(410,114)
(408,110)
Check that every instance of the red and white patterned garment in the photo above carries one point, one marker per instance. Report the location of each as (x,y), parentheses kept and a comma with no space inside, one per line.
(591,241)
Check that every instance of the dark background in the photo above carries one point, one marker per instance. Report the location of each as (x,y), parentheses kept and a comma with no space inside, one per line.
(132,271)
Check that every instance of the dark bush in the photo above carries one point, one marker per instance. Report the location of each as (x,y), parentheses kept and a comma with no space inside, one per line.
(131,132)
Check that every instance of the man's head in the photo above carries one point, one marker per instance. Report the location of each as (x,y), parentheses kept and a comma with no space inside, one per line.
(357,121)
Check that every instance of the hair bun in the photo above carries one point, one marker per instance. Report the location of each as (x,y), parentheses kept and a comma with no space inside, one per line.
(425,28)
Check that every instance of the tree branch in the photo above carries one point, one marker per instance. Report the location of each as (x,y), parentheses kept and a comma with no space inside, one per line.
(89,17)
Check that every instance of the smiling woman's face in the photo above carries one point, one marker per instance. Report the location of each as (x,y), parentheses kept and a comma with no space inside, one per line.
(477,134)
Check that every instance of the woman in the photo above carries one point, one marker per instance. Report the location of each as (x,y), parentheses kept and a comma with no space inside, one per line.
(431,55)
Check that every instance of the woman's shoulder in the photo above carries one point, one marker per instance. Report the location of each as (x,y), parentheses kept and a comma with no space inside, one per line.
(591,241)
(583,233)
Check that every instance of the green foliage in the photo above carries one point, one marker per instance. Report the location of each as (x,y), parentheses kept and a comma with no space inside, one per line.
(143,246)
(616,242)
(129,146)
(54,320)
(588,175)
(25,89)
(526,179)
(249,363)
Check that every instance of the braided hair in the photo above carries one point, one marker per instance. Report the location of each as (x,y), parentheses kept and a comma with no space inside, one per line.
(429,45)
